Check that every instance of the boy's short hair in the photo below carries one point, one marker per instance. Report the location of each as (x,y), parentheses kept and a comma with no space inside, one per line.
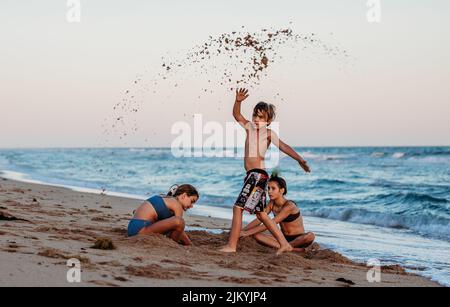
(266,108)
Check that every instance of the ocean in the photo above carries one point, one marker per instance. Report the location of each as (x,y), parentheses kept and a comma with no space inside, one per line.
(387,203)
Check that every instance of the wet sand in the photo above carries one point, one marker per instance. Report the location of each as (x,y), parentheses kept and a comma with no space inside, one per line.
(41,227)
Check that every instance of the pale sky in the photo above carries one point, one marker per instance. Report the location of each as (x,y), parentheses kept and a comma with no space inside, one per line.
(60,80)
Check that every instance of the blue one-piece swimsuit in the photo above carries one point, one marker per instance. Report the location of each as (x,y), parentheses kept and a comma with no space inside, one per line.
(136,225)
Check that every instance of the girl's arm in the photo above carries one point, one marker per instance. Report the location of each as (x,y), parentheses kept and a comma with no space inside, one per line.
(252,224)
(289,151)
(285,212)
(178,211)
(256,222)
(185,239)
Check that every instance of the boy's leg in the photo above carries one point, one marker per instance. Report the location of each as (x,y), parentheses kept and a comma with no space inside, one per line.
(275,231)
(236,227)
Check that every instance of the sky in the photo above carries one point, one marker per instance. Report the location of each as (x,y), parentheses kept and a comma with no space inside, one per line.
(60,80)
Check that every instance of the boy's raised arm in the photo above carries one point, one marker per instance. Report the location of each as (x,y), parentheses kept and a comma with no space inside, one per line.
(241,95)
(289,151)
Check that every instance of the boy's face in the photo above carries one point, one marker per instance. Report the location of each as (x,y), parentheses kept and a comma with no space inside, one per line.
(260,119)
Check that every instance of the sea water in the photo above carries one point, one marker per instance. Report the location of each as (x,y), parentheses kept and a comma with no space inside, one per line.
(392,203)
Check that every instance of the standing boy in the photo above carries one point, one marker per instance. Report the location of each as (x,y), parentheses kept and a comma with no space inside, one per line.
(253,194)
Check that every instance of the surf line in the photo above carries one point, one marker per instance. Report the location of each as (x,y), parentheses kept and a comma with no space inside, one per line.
(202,297)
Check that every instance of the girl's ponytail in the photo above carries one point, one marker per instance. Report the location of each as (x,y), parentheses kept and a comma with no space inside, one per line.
(176,190)
(173,189)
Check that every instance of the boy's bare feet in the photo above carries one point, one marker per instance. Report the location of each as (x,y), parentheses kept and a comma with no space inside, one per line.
(283,249)
(227,249)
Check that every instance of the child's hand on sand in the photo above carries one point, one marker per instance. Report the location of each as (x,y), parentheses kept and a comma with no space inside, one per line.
(304,165)
(241,94)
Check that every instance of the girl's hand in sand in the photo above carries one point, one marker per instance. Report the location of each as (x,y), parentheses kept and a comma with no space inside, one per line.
(304,165)
(241,94)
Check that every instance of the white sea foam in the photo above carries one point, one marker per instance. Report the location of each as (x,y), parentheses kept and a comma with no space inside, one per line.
(324,157)
(398,155)
(377,154)
(437,227)
(27,179)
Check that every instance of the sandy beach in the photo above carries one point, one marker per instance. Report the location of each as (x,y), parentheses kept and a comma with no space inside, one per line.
(43,226)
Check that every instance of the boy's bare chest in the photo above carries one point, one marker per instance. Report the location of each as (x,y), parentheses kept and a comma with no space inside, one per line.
(258,139)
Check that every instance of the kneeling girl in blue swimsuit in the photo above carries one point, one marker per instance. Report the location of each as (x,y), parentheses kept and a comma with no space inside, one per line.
(164,214)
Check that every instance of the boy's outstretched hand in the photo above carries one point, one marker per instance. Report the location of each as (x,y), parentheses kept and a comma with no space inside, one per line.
(304,165)
(241,94)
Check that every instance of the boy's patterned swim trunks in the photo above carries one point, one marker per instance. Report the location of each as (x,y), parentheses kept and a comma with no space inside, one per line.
(253,195)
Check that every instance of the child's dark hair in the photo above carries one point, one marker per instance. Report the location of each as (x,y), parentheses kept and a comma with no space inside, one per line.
(177,190)
(280,181)
(266,108)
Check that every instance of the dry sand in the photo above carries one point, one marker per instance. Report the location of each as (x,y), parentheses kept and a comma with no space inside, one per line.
(43,226)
